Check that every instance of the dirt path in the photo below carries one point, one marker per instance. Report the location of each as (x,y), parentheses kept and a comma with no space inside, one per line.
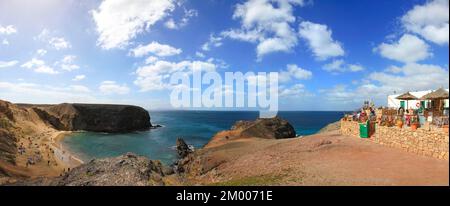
(323,159)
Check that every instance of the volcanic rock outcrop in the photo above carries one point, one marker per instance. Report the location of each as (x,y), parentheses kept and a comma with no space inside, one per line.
(267,128)
(95,117)
(8,140)
(125,170)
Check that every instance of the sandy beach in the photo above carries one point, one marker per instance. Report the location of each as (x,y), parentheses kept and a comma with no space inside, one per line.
(44,154)
(62,154)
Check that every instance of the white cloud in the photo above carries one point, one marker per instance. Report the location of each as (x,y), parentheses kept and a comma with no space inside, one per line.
(200,54)
(161,50)
(410,77)
(39,66)
(37,93)
(119,21)
(248,36)
(320,40)
(79,77)
(408,49)
(170,24)
(295,91)
(67,63)
(4,64)
(188,14)
(41,52)
(79,88)
(355,67)
(156,76)
(219,63)
(214,41)
(111,87)
(151,59)
(267,23)
(7,30)
(340,66)
(293,71)
(58,43)
(5,42)
(431,21)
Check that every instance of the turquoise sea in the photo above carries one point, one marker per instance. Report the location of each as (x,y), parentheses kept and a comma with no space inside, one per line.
(196,127)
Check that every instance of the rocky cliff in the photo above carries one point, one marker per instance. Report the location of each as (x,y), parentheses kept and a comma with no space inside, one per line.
(225,145)
(28,128)
(267,128)
(8,140)
(95,117)
(125,170)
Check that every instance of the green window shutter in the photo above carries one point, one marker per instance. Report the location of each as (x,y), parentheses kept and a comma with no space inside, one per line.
(402,104)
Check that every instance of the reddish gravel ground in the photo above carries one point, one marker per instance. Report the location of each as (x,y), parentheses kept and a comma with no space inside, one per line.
(322,159)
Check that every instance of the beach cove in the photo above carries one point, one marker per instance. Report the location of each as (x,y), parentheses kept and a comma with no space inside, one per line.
(196,127)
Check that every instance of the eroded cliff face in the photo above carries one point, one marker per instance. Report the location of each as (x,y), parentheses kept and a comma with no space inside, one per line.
(8,140)
(30,126)
(267,128)
(95,117)
(228,145)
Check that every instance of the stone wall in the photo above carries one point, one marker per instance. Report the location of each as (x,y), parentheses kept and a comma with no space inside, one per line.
(350,128)
(425,142)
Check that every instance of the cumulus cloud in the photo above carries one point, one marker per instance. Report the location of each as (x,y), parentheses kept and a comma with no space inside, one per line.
(58,43)
(294,91)
(5,42)
(170,24)
(41,52)
(4,64)
(213,41)
(111,87)
(339,65)
(200,54)
(294,72)
(119,21)
(156,75)
(320,41)
(7,30)
(79,77)
(151,59)
(267,23)
(188,14)
(39,66)
(431,21)
(67,63)
(410,77)
(408,49)
(30,92)
(161,50)
(79,88)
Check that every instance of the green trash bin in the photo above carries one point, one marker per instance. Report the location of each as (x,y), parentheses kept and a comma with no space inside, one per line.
(364,129)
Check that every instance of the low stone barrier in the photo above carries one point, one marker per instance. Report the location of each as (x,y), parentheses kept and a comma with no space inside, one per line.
(425,142)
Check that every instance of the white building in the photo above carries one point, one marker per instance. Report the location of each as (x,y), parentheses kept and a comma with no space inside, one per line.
(411,104)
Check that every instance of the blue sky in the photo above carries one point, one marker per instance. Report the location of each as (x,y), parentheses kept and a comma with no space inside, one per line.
(331,55)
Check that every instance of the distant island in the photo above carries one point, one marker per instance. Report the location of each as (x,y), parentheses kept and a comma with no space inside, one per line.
(266,151)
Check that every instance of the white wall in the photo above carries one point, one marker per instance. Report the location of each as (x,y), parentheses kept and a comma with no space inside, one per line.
(395,103)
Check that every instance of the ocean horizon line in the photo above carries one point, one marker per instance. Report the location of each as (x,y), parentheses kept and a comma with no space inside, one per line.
(200,110)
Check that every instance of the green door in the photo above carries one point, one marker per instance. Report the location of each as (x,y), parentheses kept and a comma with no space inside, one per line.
(402,104)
